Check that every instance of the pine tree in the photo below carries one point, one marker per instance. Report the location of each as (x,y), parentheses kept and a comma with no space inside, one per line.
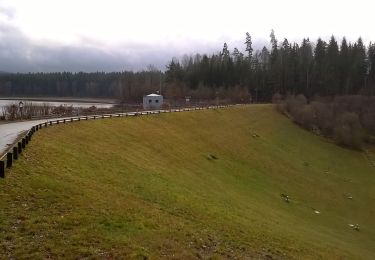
(371,68)
(274,49)
(275,65)
(306,58)
(284,63)
(359,66)
(319,71)
(236,53)
(225,52)
(344,68)
(332,67)
(249,47)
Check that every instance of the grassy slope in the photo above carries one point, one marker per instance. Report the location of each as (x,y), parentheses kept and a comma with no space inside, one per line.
(144,187)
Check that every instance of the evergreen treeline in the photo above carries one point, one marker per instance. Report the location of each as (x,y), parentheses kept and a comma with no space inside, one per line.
(128,86)
(324,68)
(312,69)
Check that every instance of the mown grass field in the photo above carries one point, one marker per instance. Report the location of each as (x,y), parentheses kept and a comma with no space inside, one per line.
(144,187)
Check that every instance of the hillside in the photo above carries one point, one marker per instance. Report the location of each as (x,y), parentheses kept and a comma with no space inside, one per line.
(151,187)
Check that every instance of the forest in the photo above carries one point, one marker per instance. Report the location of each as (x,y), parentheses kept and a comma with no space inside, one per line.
(125,86)
(312,69)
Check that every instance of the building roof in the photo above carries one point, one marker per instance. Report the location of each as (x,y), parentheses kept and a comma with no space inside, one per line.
(153,95)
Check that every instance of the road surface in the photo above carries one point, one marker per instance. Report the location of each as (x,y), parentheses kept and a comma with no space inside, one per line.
(9,132)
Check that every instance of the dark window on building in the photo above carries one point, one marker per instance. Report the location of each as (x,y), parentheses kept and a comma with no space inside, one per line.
(157,101)
(150,100)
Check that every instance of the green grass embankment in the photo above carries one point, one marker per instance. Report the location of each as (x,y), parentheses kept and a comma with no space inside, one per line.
(145,186)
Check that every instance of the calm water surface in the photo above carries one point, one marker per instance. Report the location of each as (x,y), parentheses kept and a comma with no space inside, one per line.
(4,102)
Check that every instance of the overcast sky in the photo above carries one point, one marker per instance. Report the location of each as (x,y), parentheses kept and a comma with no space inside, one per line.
(114,35)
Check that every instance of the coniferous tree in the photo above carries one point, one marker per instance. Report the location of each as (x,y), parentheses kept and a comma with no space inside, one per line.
(332,62)
(225,52)
(274,50)
(371,68)
(320,67)
(306,58)
(344,67)
(275,66)
(359,66)
(249,47)
(236,53)
(285,52)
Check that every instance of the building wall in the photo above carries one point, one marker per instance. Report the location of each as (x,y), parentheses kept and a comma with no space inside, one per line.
(152,102)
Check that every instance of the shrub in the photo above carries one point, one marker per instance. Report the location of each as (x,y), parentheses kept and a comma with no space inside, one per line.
(368,122)
(277,98)
(348,130)
(350,120)
(323,116)
(305,117)
(293,104)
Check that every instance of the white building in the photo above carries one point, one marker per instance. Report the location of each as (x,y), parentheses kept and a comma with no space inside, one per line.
(152,101)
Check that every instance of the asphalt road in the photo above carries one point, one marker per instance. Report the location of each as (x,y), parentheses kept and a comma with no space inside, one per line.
(9,132)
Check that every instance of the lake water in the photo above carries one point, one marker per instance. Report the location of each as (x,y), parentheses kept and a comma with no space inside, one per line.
(4,102)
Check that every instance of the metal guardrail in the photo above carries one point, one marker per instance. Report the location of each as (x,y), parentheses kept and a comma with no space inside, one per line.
(12,153)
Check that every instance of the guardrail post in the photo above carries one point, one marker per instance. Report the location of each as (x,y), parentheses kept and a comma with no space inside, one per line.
(2,169)
(15,153)
(64,121)
(9,159)
(50,122)
(36,128)
(71,120)
(19,147)
(23,142)
(79,119)
(57,121)
(45,124)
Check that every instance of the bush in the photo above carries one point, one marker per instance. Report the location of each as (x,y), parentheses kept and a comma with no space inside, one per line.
(348,130)
(293,104)
(323,117)
(305,117)
(300,111)
(277,98)
(368,122)
(350,120)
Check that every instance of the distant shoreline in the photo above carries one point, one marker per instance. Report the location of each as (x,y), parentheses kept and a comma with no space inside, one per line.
(63,99)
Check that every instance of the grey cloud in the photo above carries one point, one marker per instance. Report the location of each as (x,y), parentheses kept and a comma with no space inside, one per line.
(18,53)
(7,12)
